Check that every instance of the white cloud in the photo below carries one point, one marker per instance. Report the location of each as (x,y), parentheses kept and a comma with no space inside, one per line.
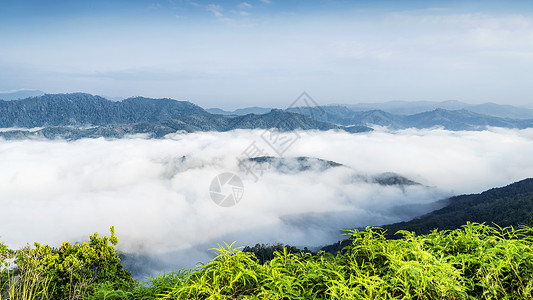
(53,191)
(215,9)
(266,1)
(244,5)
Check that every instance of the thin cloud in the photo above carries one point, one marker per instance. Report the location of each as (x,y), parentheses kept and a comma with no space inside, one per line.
(215,9)
(244,5)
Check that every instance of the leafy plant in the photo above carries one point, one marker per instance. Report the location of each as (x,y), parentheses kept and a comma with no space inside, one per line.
(75,270)
(476,261)
(156,286)
(5,255)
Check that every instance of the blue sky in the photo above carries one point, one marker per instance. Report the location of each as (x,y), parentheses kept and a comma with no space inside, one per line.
(266,52)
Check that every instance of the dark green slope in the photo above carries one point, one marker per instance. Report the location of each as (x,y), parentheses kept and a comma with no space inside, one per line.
(511,205)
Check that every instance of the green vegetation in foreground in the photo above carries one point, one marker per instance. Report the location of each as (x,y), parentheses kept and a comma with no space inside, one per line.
(67,272)
(476,261)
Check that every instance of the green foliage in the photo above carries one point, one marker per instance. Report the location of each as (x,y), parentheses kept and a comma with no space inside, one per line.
(474,262)
(33,285)
(5,255)
(108,291)
(155,286)
(266,253)
(73,271)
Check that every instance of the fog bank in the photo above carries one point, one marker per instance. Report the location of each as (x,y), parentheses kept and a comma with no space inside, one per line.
(156,192)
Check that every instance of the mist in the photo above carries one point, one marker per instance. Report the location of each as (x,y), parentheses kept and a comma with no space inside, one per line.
(156,191)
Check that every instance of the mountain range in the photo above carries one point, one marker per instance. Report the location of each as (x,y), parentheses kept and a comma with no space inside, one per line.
(459,119)
(448,119)
(412,107)
(80,115)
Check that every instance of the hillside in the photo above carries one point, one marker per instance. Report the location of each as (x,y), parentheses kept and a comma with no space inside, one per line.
(511,205)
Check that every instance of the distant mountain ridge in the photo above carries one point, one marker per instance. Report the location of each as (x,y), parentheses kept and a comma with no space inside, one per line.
(404,108)
(241,111)
(447,119)
(20,94)
(79,115)
(415,107)
(451,115)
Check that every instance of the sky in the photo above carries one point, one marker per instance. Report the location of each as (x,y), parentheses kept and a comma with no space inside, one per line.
(231,54)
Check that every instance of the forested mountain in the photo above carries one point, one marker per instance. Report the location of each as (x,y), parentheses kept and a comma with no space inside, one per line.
(73,116)
(511,205)
(83,110)
(344,116)
(79,115)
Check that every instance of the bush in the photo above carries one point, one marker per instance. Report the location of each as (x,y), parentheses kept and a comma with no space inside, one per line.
(74,271)
(156,286)
(474,262)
